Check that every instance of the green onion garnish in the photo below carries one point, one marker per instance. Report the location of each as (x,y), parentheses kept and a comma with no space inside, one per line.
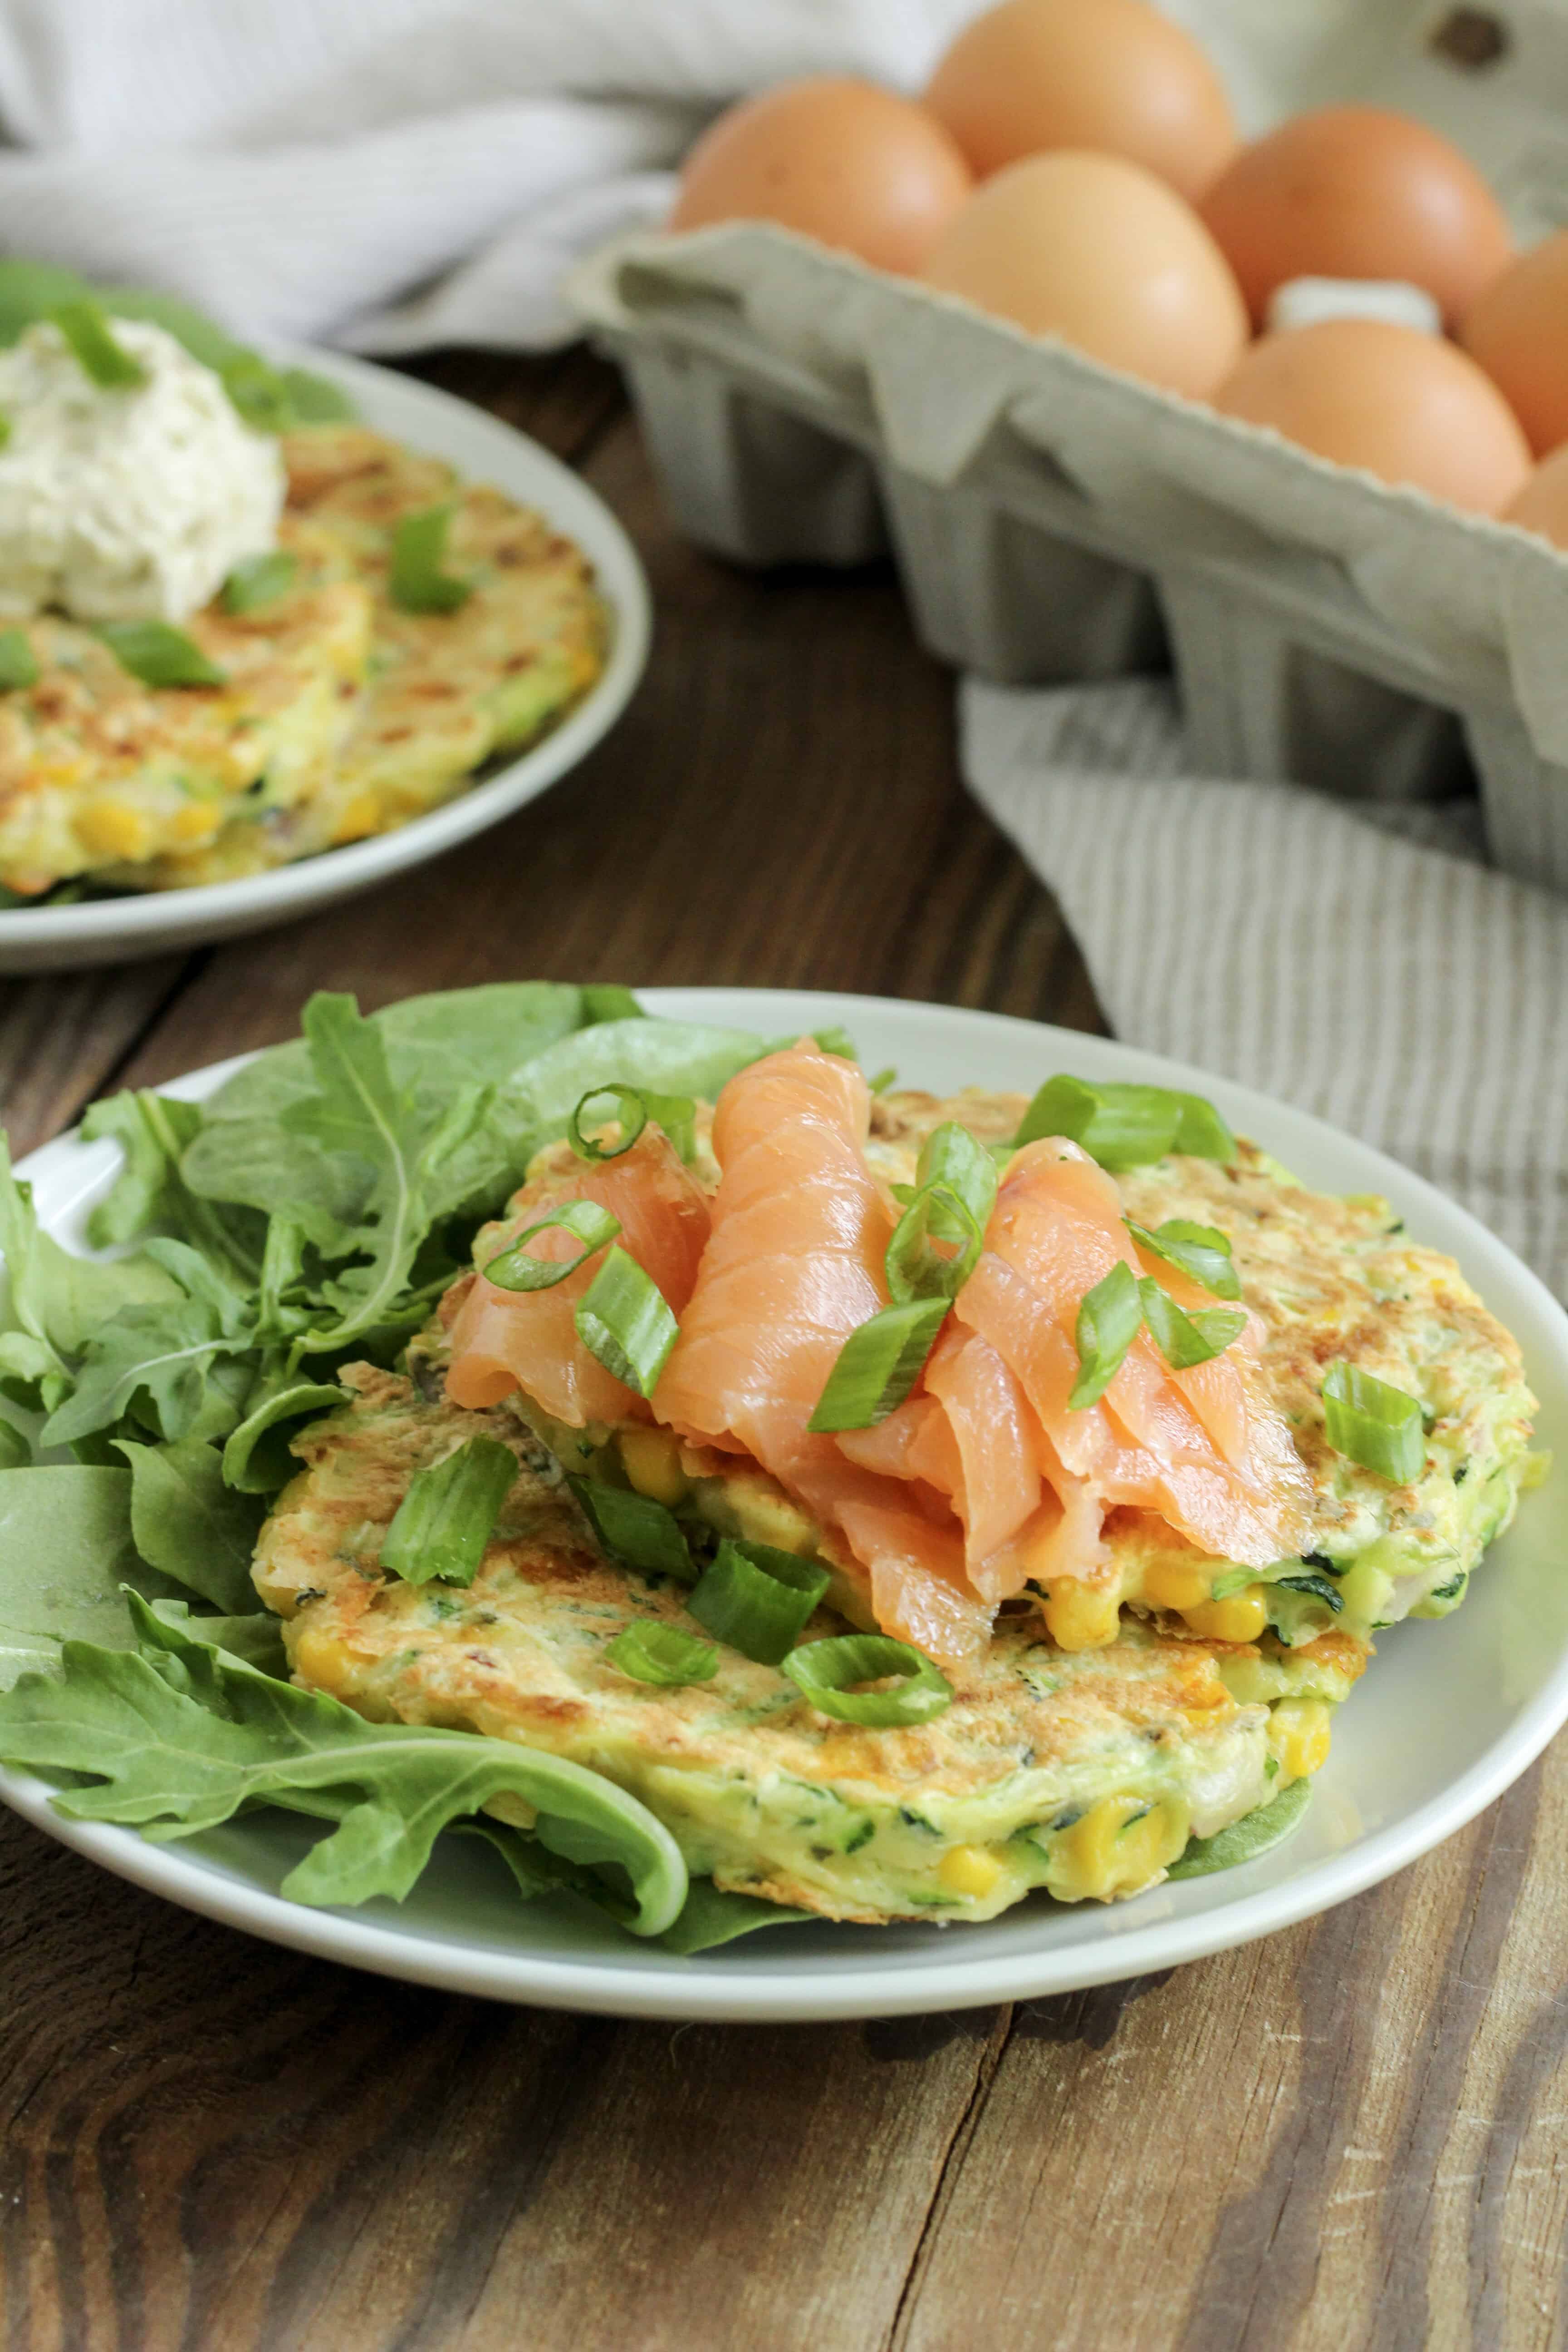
(878,1364)
(448,1515)
(630,1112)
(624,1320)
(259,580)
(757,1599)
(1126,1126)
(883,1080)
(416,581)
(952,1159)
(653,1652)
(18,663)
(518,1269)
(916,1270)
(1373,1423)
(608,1000)
(1107,1321)
(636,1530)
(158,653)
(828,1672)
(1186,1340)
(86,328)
(1202,1251)
(259,393)
(4,427)
(315,399)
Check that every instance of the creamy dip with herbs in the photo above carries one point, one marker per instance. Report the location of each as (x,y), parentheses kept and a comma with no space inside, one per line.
(125,502)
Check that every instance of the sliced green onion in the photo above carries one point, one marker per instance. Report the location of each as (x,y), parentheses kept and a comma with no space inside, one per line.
(878,1364)
(416,581)
(159,654)
(757,1599)
(315,399)
(623,1320)
(259,580)
(1108,1323)
(952,1158)
(4,427)
(828,1672)
(448,1515)
(86,328)
(916,1270)
(257,392)
(883,1080)
(518,1269)
(653,1652)
(608,1001)
(1126,1126)
(1202,1251)
(1373,1423)
(18,663)
(676,1114)
(636,1530)
(1186,1340)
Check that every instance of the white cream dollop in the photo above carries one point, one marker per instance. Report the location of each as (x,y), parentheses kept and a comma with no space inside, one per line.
(126,504)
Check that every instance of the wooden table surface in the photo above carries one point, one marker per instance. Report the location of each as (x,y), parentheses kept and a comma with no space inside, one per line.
(1350,2135)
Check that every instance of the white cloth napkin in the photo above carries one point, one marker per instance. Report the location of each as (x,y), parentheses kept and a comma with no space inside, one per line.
(1355,959)
(387,174)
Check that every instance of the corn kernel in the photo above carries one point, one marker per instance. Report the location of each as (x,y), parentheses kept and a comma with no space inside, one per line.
(1299,1736)
(651,1459)
(195,822)
(1080,1616)
(321,1660)
(969,1870)
(359,816)
(1175,1583)
(1120,1844)
(1239,1617)
(110,828)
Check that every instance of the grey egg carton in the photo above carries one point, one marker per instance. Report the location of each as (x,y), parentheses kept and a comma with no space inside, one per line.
(1063,523)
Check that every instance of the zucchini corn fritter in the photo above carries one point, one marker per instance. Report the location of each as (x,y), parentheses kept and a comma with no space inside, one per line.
(1083,1774)
(342,714)
(1078,1755)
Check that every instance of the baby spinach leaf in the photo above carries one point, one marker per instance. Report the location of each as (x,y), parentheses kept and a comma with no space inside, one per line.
(177,1737)
(673,1057)
(187,1523)
(1244,1840)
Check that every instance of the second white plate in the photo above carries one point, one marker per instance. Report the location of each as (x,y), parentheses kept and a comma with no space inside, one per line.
(111,930)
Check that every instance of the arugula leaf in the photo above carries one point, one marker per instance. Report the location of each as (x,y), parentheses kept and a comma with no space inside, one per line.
(179,1735)
(52,1301)
(1244,1840)
(256,1456)
(189,1525)
(710,1916)
(165,1352)
(66,1548)
(256,1640)
(150,1194)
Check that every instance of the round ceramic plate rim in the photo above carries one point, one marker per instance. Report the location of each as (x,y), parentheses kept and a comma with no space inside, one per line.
(142,922)
(933,1982)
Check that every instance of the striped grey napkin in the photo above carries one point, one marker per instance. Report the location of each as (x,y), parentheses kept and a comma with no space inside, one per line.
(1356,958)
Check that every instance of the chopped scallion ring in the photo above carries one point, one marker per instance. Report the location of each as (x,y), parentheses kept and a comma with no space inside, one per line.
(1375,1423)
(757,1599)
(259,580)
(417,582)
(86,328)
(448,1515)
(1202,1251)
(18,663)
(878,1364)
(159,654)
(636,1530)
(517,1268)
(827,1673)
(624,1320)
(1107,1322)
(915,1268)
(1186,1340)
(631,1113)
(952,1159)
(654,1652)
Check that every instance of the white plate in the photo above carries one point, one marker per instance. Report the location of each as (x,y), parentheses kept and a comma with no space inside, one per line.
(109,931)
(1448,1714)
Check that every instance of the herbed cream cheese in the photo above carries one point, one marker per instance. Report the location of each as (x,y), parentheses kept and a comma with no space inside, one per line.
(126,504)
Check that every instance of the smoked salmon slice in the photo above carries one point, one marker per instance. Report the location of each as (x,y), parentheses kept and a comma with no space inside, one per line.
(506,1340)
(793,1264)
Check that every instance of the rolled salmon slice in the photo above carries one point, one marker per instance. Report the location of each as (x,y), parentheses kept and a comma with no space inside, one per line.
(505,1339)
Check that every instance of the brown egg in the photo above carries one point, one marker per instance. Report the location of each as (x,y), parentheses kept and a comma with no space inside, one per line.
(1542,505)
(843,162)
(1099,252)
(1518,328)
(1111,74)
(1353,192)
(1407,406)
